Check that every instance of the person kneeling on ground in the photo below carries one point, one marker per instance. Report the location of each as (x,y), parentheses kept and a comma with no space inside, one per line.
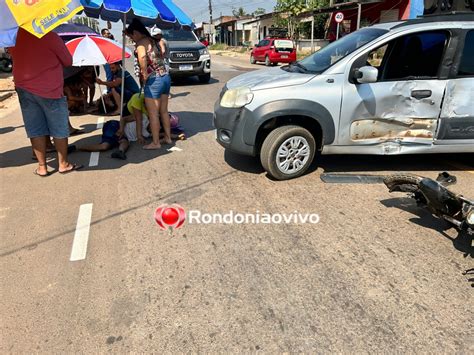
(130,86)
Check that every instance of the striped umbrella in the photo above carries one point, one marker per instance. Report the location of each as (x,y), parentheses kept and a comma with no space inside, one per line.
(91,51)
(163,13)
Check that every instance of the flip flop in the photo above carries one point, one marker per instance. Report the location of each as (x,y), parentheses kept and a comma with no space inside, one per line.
(74,168)
(41,175)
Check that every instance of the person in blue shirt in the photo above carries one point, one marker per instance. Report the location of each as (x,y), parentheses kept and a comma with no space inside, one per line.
(131,87)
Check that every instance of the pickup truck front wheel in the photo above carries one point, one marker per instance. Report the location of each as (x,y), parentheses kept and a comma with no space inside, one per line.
(287,152)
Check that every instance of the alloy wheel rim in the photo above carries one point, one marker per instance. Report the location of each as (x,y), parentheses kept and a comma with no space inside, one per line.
(293,155)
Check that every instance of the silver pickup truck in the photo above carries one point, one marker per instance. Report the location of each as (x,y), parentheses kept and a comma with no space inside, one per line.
(394,88)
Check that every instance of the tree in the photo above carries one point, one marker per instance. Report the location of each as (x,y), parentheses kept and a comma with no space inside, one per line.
(240,12)
(289,10)
(260,11)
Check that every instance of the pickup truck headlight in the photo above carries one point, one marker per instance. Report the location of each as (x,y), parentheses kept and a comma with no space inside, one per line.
(203,51)
(237,98)
(470,218)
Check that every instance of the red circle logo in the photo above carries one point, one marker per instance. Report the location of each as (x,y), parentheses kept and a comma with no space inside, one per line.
(170,216)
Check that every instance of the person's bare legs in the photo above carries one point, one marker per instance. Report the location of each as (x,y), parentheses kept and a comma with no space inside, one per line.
(117,100)
(124,145)
(39,148)
(165,118)
(153,108)
(91,94)
(61,148)
(102,147)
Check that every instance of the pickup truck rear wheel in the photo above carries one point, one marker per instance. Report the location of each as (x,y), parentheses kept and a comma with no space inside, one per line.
(287,152)
(204,79)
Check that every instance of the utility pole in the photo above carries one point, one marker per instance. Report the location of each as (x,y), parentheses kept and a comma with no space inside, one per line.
(211,32)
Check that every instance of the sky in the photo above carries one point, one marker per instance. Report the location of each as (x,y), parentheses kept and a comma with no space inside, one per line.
(198,10)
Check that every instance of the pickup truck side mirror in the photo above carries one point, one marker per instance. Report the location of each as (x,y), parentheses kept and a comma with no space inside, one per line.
(366,75)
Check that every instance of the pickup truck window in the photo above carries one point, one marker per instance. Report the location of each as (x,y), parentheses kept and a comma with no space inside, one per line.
(179,36)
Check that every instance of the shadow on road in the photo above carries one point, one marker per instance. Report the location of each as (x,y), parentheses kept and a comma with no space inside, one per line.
(192,123)
(366,163)
(192,81)
(374,163)
(243,163)
(9,129)
(423,218)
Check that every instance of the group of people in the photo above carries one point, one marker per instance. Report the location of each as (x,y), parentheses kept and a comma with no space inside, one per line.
(45,99)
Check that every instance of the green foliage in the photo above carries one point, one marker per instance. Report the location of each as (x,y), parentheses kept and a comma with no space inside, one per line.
(259,11)
(288,10)
(240,12)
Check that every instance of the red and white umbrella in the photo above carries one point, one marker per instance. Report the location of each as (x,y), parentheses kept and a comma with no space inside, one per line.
(89,51)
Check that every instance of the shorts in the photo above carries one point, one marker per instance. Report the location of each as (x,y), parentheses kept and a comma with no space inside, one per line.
(157,85)
(109,133)
(44,117)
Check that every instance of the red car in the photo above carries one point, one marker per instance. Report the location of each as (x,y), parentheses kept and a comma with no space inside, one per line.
(273,51)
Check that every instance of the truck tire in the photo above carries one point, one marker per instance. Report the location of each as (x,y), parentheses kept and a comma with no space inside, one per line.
(6,65)
(287,152)
(204,79)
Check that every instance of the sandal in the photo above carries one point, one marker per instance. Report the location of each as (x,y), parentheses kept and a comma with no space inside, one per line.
(41,175)
(74,167)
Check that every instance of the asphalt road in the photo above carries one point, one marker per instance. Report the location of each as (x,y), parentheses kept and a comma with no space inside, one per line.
(377,274)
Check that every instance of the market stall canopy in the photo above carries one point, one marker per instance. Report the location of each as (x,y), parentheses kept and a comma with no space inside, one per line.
(163,13)
(37,17)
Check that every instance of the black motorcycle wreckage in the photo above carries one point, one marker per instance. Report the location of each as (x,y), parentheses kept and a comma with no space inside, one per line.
(440,201)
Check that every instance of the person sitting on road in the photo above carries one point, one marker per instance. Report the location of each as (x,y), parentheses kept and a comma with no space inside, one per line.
(130,128)
(111,138)
(137,108)
(130,88)
(74,90)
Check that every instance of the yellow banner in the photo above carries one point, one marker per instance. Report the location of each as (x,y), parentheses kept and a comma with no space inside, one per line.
(42,16)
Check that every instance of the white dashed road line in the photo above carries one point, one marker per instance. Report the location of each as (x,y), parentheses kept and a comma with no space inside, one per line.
(175,149)
(100,122)
(94,159)
(81,236)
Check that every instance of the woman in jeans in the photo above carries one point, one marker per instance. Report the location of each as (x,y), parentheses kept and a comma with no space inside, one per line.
(156,80)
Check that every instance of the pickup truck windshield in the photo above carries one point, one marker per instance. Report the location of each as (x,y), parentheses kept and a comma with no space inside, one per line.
(332,53)
(179,36)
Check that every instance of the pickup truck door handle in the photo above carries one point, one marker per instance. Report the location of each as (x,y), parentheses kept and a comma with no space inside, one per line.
(421,94)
